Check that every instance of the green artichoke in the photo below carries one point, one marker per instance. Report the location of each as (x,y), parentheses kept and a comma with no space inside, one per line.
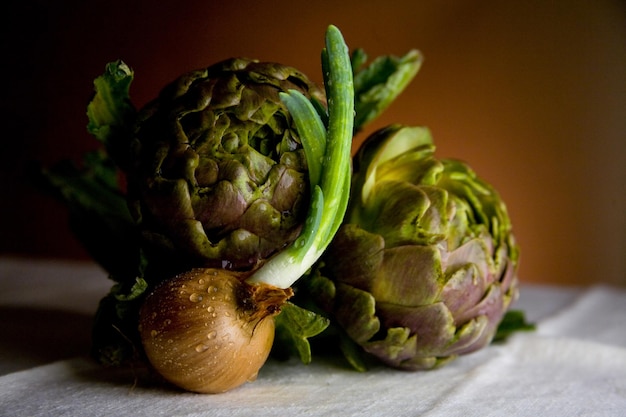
(424,266)
(218,175)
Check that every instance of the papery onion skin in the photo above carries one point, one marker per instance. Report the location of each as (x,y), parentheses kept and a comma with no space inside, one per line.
(207,331)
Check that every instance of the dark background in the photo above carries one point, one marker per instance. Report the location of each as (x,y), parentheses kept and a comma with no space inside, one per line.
(532,94)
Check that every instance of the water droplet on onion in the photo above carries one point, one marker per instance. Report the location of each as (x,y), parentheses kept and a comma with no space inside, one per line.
(201,348)
(195,298)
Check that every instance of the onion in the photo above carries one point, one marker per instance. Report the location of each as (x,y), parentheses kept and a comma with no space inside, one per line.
(208,331)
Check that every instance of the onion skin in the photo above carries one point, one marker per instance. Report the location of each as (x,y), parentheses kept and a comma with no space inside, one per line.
(208,331)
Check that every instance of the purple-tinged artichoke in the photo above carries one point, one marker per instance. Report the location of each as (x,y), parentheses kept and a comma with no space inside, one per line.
(424,267)
(219,176)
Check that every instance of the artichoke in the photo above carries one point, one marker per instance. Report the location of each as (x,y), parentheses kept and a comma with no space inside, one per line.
(424,266)
(218,176)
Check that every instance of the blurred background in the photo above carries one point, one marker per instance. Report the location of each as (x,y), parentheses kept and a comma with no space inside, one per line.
(532,94)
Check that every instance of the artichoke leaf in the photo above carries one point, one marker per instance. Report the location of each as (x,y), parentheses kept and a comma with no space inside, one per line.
(355,256)
(418,167)
(432,324)
(398,344)
(356,313)
(399,350)
(383,146)
(404,213)
(410,275)
(463,290)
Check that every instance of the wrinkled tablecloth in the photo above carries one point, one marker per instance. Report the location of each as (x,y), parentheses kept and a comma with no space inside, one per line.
(574,364)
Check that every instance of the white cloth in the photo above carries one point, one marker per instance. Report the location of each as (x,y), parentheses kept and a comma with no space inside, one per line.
(573,365)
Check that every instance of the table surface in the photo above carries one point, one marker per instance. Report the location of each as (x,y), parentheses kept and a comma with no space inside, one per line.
(574,364)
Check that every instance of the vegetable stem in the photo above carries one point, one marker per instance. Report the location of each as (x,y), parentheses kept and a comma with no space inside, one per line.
(330,174)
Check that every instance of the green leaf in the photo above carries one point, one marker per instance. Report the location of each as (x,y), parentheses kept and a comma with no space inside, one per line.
(135,291)
(295,325)
(379,84)
(110,112)
(352,352)
(92,187)
(115,332)
(514,321)
(98,212)
(358,59)
(110,103)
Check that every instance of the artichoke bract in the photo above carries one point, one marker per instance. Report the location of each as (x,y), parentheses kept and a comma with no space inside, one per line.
(218,175)
(424,266)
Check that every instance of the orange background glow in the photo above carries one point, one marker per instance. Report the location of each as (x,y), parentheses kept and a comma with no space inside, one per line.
(531,93)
